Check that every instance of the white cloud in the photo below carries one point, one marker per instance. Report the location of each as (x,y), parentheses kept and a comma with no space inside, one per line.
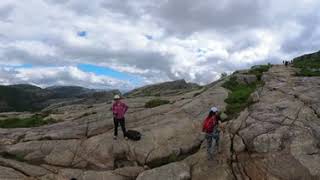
(155,40)
(67,75)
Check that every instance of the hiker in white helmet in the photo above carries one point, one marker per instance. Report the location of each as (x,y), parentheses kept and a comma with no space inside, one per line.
(119,109)
(210,127)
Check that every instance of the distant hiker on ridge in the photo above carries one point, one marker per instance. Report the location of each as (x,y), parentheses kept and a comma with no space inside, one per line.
(119,109)
(286,63)
(210,127)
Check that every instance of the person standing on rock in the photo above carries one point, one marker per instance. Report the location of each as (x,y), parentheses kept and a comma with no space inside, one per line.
(286,63)
(119,109)
(211,128)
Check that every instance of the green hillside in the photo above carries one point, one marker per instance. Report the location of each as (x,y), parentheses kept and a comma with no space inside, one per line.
(21,98)
(309,64)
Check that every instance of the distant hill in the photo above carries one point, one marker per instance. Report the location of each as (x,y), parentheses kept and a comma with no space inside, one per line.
(25,97)
(98,96)
(309,64)
(311,56)
(22,98)
(69,91)
(166,88)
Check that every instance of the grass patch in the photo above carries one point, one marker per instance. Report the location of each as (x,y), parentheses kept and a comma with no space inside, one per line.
(239,97)
(33,121)
(309,64)
(16,157)
(259,70)
(155,102)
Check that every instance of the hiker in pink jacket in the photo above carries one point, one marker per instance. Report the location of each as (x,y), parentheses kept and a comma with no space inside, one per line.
(119,109)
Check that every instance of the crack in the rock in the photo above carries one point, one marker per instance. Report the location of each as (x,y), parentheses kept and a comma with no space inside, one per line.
(231,158)
(235,161)
(149,153)
(75,154)
(87,129)
(16,169)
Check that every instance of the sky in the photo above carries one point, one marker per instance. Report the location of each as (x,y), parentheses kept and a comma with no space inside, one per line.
(124,44)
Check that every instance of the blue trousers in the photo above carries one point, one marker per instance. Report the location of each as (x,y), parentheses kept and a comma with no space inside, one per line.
(210,146)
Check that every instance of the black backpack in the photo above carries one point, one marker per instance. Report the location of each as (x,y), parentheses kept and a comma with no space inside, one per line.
(133,135)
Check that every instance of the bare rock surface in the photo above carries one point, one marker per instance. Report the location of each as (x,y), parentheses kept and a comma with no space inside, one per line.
(82,145)
(246,78)
(277,137)
(281,130)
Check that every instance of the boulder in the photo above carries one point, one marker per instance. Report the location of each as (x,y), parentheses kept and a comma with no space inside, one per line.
(238,145)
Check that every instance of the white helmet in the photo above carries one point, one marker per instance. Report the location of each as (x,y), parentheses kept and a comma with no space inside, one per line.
(116,97)
(214,109)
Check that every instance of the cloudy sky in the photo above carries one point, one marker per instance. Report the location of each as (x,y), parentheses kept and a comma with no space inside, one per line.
(128,43)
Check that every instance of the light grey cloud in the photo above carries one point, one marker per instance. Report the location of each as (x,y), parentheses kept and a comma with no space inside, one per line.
(308,39)
(186,16)
(5,12)
(66,75)
(155,40)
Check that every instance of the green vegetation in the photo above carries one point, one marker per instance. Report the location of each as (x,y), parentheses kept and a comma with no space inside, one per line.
(309,64)
(238,99)
(16,98)
(259,70)
(33,121)
(16,157)
(155,102)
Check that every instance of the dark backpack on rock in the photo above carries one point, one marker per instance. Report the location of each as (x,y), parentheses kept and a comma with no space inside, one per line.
(133,135)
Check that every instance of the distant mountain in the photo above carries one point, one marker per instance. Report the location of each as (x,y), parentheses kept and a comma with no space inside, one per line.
(22,98)
(25,97)
(98,96)
(166,88)
(69,91)
(309,64)
(312,56)
(26,87)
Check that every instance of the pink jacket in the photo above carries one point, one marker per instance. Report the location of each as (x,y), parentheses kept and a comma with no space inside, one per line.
(119,109)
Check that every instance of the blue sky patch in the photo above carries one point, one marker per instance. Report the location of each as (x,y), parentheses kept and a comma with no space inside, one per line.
(82,33)
(99,70)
